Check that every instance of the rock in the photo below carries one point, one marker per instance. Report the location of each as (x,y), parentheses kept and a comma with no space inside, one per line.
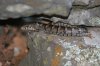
(95,35)
(94,3)
(68,3)
(62,51)
(89,17)
(81,2)
(79,17)
(57,9)
(16,8)
(95,16)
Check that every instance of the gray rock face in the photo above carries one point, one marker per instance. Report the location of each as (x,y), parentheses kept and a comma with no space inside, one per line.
(89,3)
(78,11)
(95,16)
(89,17)
(81,2)
(79,17)
(52,50)
(94,3)
(17,8)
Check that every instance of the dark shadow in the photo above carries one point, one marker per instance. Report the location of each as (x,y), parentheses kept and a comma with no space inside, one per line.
(19,21)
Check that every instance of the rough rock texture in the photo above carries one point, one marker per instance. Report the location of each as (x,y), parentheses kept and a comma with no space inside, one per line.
(94,3)
(52,50)
(88,17)
(76,11)
(17,8)
(81,2)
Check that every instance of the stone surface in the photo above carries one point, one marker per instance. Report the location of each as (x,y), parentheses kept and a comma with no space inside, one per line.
(76,11)
(94,3)
(89,17)
(52,50)
(57,10)
(18,8)
(79,17)
(81,2)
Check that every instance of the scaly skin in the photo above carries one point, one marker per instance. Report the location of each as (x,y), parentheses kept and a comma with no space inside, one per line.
(56,29)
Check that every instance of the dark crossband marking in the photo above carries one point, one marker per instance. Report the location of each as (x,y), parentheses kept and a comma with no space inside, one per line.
(62,29)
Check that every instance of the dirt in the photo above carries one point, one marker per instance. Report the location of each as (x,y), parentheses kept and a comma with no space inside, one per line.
(13,46)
